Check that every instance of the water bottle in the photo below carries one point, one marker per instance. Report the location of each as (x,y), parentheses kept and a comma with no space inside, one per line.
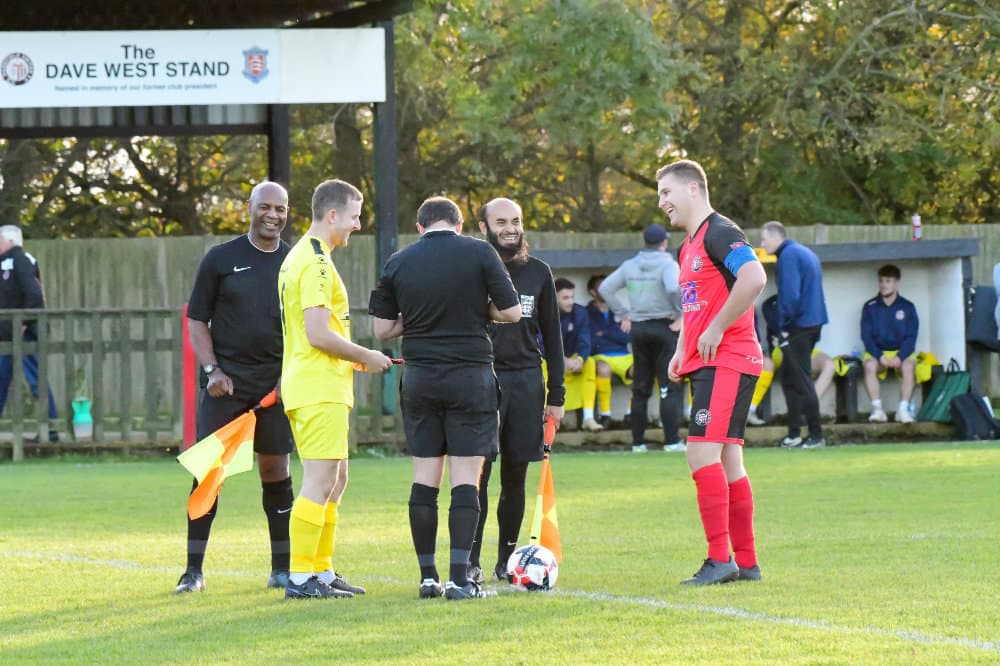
(917,230)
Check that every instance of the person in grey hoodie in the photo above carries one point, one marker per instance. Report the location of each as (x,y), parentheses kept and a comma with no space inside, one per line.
(653,318)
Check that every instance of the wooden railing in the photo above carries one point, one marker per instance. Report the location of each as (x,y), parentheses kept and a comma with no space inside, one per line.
(126,362)
(130,361)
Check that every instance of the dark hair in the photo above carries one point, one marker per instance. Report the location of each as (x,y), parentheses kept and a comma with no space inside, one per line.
(438,209)
(889,270)
(563,283)
(687,171)
(594,279)
(332,194)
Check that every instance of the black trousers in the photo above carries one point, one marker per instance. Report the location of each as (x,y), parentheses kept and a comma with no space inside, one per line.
(653,345)
(796,379)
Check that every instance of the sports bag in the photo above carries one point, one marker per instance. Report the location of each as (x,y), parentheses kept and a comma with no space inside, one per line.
(950,383)
(972,418)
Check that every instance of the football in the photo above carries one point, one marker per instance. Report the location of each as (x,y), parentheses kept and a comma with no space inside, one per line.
(533,568)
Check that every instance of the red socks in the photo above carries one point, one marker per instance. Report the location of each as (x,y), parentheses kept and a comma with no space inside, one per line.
(741,522)
(713,503)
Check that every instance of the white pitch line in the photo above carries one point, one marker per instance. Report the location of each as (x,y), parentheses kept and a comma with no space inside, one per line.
(753,616)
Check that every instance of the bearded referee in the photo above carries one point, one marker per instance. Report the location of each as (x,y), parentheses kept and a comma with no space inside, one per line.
(440,294)
(317,386)
(233,317)
(524,401)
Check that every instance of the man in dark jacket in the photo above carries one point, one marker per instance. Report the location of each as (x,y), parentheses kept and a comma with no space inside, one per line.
(889,329)
(581,369)
(801,313)
(20,287)
(610,346)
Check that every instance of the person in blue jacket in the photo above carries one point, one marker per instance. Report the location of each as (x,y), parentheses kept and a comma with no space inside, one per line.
(610,347)
(801,315)
(581,369)
(889,327)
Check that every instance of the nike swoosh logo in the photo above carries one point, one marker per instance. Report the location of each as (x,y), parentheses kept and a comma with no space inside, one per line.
(284,510)
(237,269)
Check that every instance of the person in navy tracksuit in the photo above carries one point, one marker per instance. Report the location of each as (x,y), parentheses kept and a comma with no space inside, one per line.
(889,327)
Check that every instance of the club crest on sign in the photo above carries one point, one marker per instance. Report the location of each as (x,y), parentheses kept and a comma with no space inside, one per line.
(17,69)
(255,64)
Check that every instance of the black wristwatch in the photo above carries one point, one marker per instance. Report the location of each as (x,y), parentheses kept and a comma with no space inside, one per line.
(209,369)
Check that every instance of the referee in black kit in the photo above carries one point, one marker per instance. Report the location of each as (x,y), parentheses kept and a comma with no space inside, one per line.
(440,294)
(234,319)
(517,360)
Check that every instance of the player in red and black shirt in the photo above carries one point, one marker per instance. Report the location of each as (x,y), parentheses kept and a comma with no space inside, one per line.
(718,350)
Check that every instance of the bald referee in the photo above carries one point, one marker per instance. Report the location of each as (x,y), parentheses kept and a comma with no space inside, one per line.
(441,293)
(317,386)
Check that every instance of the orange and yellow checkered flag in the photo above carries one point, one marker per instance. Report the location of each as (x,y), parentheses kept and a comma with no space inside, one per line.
(545,522)
(227,451)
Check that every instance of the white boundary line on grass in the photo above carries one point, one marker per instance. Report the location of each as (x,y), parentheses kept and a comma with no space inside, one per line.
(726,611)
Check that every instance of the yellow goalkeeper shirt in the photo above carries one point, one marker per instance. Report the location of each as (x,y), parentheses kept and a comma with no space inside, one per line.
(308,279)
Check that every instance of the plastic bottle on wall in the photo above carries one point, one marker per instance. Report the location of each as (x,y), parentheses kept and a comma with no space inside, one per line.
(917,230)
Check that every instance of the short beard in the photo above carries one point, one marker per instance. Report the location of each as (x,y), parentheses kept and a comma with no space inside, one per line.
(518,254)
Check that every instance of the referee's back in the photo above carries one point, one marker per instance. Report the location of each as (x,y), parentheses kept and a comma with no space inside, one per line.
(442,286)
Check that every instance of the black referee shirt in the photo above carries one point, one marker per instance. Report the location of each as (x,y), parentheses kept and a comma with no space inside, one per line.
(515,346)
(442,285)
(236,293)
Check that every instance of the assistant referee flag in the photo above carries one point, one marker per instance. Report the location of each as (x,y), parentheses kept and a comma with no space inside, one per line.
(544,522)
(227,451)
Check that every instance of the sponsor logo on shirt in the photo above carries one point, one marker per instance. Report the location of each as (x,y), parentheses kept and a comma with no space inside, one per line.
(527,305)
(689,297)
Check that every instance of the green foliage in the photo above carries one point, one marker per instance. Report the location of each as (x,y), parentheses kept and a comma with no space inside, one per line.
(870,554)
(805,111)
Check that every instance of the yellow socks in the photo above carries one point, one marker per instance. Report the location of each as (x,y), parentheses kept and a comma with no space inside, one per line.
(305,528)
(324,554)
(603,395)
(763,384)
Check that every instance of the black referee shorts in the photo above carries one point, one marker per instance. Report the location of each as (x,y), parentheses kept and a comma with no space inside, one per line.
(450,410)
(273,434)
(522,408)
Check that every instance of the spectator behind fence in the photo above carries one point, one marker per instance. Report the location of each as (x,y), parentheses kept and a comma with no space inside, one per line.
(823,367)
(801,315)
(581,369)
(889,328)
(20,287)
(653,318)
(610,345)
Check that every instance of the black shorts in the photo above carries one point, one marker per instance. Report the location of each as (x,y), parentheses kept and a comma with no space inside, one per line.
(450,410)
(720,401)
(522,410)
(273,434)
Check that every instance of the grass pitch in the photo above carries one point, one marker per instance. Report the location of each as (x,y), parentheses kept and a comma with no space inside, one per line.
(875,554)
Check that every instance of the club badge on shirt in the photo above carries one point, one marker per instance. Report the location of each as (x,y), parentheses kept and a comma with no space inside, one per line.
(527,305)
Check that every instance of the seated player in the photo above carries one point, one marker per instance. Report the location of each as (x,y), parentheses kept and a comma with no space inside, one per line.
(610,349)
(889,329)
(581,369)
(823,366)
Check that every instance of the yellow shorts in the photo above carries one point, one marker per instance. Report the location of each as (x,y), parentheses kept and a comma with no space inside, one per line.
(777,356)
(320,430)
(620,365)
(889,353)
